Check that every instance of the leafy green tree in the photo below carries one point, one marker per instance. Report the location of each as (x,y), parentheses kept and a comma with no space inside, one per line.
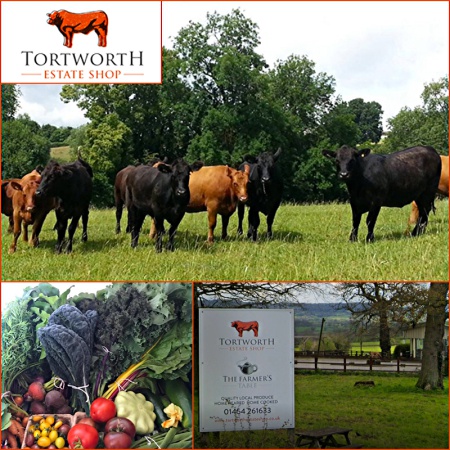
(368,117)
(23,148)
(10,101)
(423,125)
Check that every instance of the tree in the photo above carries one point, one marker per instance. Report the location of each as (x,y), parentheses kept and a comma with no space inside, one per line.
(10,101)
(431,374)
(383,303)
(368,119)
(23,148)
(426,124)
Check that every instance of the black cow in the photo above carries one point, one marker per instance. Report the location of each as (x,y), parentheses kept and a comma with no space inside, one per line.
(163,193)
(72,184)
(120,189)
(393,180)
(265,189)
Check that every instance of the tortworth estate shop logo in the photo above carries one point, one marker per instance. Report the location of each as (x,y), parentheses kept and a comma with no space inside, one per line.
(81,42)
(246,369)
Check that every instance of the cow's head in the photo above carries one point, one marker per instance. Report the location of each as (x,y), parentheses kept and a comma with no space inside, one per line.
(54,176)
(180,172)
(54,18)
(266,166)
(239,181)
(28,191)
(346,159)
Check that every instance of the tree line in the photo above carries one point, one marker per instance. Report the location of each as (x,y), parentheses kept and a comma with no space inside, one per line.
(218,102)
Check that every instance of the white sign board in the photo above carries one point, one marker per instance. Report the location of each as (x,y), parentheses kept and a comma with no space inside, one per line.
(246,361)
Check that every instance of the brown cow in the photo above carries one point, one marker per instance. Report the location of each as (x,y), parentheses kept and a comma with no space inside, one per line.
(442,190)
(245,326)
(69,23)
(7,206)
(217,190)
(26,210)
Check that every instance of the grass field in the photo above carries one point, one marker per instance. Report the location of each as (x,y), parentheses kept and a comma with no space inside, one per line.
(393,414)
(61,154)
(310,243)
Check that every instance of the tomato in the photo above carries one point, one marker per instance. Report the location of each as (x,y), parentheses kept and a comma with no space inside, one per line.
(89,421)
(64,429)
(82,435)
(116,439)
(121,424)
(102,409)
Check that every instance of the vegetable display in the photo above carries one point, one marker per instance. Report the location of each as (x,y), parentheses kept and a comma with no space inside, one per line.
(104,370)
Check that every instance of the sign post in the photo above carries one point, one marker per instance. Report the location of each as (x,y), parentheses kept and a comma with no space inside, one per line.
(246,361)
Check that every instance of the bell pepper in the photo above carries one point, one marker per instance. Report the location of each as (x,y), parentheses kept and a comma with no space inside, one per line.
(136,408)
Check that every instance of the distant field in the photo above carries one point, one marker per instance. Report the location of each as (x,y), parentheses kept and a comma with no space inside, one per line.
(310,243)
(61,154)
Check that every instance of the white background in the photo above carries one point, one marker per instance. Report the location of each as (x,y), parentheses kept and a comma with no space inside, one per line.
(216,360)
(131,26)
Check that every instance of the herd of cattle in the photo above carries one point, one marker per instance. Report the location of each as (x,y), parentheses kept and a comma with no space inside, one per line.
(167,191)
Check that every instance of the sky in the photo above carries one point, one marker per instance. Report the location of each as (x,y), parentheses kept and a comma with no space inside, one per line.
(383,51)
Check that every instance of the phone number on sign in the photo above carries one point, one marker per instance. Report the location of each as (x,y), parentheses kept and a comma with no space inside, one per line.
(248,411)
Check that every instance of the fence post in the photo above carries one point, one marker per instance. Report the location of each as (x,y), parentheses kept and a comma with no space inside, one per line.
(345,363)
(316,359)
(370,362)
(398,364)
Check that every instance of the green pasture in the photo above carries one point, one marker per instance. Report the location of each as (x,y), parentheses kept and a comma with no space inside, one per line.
(61,154)
(393,414)
(310,242)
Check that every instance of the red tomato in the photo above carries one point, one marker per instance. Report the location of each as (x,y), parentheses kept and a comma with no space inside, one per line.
(82,436)
(121,424)
(102,409)
(115,439)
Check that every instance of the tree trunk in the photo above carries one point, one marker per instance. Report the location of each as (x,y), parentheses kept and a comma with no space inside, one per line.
(385,334)
(431,374)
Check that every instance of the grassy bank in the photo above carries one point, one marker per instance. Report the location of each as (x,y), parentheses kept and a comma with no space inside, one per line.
(310,243)
(393,414)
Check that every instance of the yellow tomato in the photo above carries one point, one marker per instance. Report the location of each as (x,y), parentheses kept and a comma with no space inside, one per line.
(50,420)
(53,435)
(37,418)
(60,442)
(37,434)
(44,426)
(43,442)
(44,433)
(58,424)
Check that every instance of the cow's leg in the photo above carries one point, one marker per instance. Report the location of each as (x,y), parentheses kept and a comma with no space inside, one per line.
(225,221)
(61,226)
(37,227)
(11,224)
(241,212)
(270,219)
(413,217)
(253,224)
(137,221)
(172,230)
(25,231)
(69,38)
(371,221)
(159,225)
(424,211)
(212,221)
(85,219)
(356,220)
(152,232)
(101,33)
(119,210)
(71,231)
(16,231)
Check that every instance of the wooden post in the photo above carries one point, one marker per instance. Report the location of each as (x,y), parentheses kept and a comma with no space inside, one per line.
(316,360)
(398,364)
(345,363)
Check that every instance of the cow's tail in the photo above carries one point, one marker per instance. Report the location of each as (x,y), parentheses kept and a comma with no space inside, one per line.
(84,163)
